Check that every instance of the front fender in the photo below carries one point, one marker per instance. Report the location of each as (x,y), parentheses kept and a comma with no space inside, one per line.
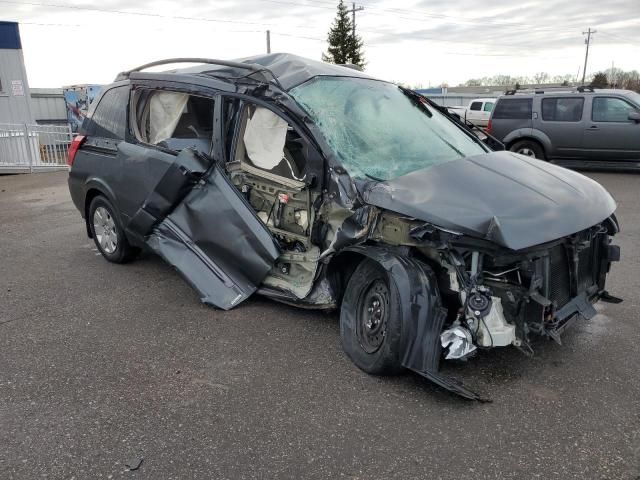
(423,315)
(422,312)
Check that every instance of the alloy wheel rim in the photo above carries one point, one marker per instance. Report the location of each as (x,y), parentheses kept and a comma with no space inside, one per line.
(105,230)
(527,151)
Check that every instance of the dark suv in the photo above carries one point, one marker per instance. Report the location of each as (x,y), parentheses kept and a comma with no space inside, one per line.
(318,186)
(575,128)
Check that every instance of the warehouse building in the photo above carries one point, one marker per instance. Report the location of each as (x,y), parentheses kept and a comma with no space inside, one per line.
(31,139)
(15,98)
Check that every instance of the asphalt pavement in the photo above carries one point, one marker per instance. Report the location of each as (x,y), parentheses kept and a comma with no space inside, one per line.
(105,366)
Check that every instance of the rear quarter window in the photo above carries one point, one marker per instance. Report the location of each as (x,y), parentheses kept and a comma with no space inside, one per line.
(562,109)
(513,108)
(109,118)
(476,106)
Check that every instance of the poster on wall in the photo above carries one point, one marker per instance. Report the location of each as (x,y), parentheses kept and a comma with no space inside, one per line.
(78,99)
(17,88)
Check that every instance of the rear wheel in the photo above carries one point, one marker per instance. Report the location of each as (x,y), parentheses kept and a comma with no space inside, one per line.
(370,320)
(108,233)
(528,148)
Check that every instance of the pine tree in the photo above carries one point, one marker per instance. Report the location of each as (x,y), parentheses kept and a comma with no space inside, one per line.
(344,47)
(600,80)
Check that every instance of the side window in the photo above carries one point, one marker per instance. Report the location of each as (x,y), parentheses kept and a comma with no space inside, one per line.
(610,109)
(109,118)
(513,108)
(488,106)
(267,142)
(476,106)
(174,120)
(562,109)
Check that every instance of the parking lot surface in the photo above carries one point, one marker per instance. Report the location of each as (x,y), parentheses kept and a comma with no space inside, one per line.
(104,365)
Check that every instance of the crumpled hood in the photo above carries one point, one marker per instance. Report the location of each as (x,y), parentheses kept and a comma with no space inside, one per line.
(510,199)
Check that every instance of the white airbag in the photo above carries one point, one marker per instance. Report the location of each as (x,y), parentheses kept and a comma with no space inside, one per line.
(264,138)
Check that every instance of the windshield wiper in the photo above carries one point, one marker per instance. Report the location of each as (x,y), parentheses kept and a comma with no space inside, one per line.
(416,100)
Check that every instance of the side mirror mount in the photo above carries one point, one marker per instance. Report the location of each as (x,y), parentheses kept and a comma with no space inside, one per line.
(634,116)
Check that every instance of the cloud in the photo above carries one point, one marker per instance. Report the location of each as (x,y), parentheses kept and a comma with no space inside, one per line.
(461,38)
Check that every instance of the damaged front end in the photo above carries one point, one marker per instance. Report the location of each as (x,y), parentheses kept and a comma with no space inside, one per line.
(491,296)
(506,298)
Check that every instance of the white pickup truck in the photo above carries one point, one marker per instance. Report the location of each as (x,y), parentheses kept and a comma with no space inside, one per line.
(478,111)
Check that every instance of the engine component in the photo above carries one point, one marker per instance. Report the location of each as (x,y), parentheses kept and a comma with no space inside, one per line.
(492,330)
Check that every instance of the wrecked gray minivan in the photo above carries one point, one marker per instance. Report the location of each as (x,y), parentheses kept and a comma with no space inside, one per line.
(319,186)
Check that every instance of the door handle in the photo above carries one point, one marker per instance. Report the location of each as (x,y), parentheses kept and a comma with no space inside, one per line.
(594,127)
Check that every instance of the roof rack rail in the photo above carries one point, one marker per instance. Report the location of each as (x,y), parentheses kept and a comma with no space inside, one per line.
(252,67)
(558,89)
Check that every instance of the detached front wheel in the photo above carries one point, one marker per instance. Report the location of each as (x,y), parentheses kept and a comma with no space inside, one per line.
(370,320)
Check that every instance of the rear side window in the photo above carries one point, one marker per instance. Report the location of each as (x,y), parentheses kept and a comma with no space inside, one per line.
(109,119)
(562,109)
(516,108)
(476,106)
(610,109)
(174,120)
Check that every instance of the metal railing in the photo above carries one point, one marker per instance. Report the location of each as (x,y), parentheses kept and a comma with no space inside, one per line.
(29,148)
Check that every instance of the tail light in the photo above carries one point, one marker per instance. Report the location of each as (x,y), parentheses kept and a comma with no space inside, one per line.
(77,142)
(488,129)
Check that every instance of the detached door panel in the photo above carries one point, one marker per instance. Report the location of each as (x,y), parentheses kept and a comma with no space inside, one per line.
(143,167)
(214,239)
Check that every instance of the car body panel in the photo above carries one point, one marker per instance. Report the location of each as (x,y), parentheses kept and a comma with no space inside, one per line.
(532,202)
(216,242)
(613,141)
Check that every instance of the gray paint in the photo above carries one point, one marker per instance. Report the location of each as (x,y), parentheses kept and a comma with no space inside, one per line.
(216,242)
(290,70)
(14,108)
(616,144)
(530,202)
(48,105)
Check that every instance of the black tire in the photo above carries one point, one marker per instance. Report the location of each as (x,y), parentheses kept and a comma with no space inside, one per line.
(122,251)
(529,148)
(372,349)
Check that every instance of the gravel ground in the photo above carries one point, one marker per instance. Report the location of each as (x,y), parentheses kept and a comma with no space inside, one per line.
(102,365)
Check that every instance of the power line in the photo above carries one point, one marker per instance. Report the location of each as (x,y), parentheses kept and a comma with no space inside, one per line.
(142,14)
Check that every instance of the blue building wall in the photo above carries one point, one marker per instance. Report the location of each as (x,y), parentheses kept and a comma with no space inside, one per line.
(15,97)
(10,36)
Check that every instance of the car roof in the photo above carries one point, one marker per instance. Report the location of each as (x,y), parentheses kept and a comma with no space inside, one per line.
(286,69)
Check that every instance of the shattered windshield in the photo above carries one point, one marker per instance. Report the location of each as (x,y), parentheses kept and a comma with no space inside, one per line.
(377,130)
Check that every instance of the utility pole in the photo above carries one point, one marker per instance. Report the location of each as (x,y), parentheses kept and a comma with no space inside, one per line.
(353,11)
(588,33)
(268,41)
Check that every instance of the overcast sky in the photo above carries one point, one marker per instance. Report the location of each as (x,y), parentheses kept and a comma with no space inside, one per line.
(417,42)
